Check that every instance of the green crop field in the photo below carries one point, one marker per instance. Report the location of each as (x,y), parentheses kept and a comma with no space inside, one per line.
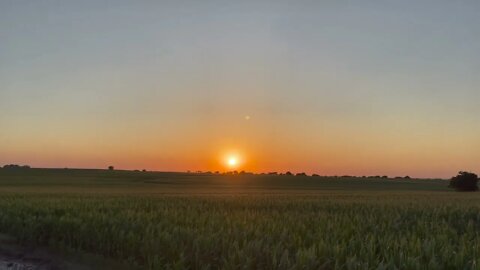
(150,220)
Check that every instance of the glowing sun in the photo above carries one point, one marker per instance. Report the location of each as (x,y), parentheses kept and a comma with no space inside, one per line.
(232,161)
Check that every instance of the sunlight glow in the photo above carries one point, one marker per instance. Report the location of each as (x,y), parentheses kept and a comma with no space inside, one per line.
(232,161)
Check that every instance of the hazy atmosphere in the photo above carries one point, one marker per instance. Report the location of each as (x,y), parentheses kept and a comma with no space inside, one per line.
(328,87)
(241,135)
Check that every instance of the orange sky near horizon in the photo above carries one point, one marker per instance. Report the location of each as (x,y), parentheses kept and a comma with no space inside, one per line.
(295,146)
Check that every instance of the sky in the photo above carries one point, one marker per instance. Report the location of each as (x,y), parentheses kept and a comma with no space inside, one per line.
(329,87)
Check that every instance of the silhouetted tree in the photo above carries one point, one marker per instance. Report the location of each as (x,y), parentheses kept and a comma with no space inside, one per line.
(288,173)
(315,175)
(111,168)
(464,181)
(407,177)
(16,167)
(301,174)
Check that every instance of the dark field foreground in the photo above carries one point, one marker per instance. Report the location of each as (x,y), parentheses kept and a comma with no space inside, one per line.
(178,221)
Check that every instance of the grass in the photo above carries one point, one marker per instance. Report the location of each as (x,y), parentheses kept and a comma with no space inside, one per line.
(185,221)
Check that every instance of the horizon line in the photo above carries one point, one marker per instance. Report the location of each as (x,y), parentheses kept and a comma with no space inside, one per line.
(233,172)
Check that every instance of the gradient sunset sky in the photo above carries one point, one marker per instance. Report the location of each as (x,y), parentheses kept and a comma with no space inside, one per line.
(328,87)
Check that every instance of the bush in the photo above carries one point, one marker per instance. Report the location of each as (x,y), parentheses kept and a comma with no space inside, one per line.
(464,181)
(16,167)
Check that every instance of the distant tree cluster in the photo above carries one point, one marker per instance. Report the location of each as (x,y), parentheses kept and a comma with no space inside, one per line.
(302,174)
(16,167)
(464,181)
